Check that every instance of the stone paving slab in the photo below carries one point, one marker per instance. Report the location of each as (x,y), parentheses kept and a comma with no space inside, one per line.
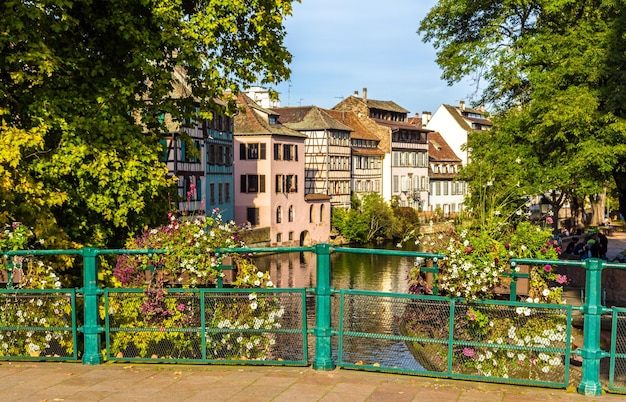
(47,382)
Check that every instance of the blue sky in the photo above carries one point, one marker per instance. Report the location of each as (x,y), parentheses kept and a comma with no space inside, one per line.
(342,46)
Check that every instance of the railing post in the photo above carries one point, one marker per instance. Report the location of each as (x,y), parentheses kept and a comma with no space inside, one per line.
(592,309)
(91,328)
(323,350)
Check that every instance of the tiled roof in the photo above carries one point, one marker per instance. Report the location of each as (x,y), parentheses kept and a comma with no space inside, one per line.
(455,111)
(415,121)
(385,105)
(367,151)
(439,150)
(254,120)
(311,118)
(351,120)
(400,125)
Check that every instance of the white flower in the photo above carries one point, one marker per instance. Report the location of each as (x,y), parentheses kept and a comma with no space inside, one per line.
(253,305)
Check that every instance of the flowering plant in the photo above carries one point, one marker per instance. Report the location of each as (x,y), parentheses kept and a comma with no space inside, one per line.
(476,260)
(31,323)
(233,320)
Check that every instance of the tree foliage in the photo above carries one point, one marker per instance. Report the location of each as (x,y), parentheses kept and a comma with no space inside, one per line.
(369,219)
(83,88)
(554,73)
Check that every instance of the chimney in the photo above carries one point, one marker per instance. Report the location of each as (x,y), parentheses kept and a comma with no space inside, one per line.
(462,105)
(364,94)
(425,118)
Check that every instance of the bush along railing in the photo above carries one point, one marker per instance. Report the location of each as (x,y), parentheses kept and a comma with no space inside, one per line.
(37,332)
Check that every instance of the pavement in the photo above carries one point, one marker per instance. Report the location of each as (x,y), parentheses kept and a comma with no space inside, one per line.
(39,382)
(52,381)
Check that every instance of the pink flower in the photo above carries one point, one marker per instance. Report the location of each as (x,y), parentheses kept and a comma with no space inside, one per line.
(471,315)
(507,245)
(180,307)
(561,279)
(547,268)
(549,220)
(468,352)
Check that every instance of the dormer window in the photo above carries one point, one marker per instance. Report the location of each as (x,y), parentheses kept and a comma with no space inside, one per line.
(273,119)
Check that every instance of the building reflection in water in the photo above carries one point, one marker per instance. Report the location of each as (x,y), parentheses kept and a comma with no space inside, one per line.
(381,273)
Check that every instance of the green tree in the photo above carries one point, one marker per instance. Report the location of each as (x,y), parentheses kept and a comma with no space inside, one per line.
(552,73)
(83,88)
(370,218)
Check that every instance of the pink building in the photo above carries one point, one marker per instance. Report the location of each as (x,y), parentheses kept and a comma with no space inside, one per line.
(269,180)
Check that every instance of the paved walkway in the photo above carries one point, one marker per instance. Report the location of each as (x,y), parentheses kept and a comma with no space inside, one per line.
(40,382)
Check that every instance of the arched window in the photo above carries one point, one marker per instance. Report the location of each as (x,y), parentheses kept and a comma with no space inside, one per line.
(291,213)
(322,213)
(279,214)
(311,214)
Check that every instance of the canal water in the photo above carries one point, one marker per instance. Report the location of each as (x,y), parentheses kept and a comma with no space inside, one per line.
(380,273)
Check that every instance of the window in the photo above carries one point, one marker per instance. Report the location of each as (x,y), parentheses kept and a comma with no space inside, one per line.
(396,184)
(286,183)
(279,214)
(278,152)
(192,187)
(252,183)
(227,192)
(322,213)
(253,216)
(311,214)
(290,236)
(212,193)
(189,155)
(220,193)
(445,187)
(279,237)
(291,213)
(290,152)
(252,151)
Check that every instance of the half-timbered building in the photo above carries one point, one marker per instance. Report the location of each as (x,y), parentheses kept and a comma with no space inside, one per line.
(327,151)
(405,165)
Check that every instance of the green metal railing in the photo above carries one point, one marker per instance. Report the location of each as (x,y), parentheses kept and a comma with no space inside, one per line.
(92,329)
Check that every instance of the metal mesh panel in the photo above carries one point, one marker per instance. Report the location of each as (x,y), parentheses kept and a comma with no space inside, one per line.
(494,341)
(206,325)
(516,341)
(618,352)
(153,325)
(373,325)
(37,325)
(255,326)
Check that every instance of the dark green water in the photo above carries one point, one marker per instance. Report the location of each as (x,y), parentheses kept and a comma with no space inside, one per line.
(348,271)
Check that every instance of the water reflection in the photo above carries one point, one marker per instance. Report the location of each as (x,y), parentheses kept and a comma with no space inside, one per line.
(379,273)
(375,315)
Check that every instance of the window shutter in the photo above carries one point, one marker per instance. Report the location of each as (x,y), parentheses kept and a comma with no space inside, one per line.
(295,157)
(263,151)
(242,152)
(261,183)
(276,152)
(244,183)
